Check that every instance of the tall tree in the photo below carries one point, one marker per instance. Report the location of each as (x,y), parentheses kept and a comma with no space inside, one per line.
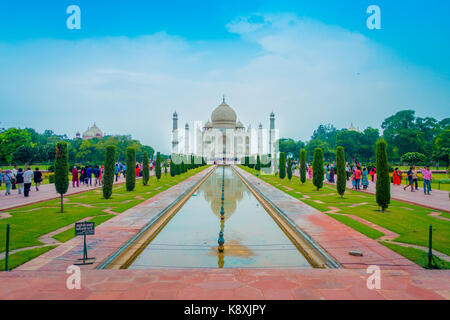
(145,168)
(108,175)
(282,172)
(383,183)
(303,165)
(258,163)
(341,182)
(158,166)
(318,170)
(172,167)
(61,171)
(131,168)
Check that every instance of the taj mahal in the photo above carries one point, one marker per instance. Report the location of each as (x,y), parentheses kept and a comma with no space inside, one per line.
(224,138)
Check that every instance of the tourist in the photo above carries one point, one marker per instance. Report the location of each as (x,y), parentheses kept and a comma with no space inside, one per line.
(83,175)
(102,170)
(19,180)
(37,178)
(358,177)
(117,171)
(28,180)
(96,172)
(75,177)
(332,175)
(416,185)
(396,177)
(1,177)
(89,176)
(427,177)
(348,171)
(137,170)
(13,181)
(7,179)
(353,180)
(124,171)
(372,173)
(365,179)
(410,174)
(310,172)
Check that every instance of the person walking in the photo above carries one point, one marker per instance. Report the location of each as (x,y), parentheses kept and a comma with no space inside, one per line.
(89,176)
(28,180)
(427,177)
(410,179)
(416,185)
(7,179)
(13,181)
(348,171)
(37,178)
(358,177)
(96,172)
(117,172)
(19,180)
(75,177)
(1,177)
(310,172)
(365,178)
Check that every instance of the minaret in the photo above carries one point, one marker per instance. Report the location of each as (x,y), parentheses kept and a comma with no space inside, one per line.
(272,131)
(186,139)
(175,133)
(260,140)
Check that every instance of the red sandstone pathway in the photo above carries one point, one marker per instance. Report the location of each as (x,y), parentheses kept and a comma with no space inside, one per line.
(438,200)
(46,192)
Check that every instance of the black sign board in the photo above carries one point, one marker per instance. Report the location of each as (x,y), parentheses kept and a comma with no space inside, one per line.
(84,228)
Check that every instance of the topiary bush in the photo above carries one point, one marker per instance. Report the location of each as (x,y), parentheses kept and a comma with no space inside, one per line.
(282,169)
(341,181)
(145,168)
(131,169)
(303,165)
(61,169)
(383,186)
(318,170)
(108,174)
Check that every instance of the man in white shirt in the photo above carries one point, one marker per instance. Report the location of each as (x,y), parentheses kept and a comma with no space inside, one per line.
(28,176)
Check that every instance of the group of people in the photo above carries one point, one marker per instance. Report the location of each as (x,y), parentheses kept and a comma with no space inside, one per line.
(21,180)
(413,178)
(85,175)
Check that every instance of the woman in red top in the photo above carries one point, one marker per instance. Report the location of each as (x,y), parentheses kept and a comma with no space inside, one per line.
(75,177)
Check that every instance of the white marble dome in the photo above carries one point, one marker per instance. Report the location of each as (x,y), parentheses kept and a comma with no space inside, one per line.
(223,116)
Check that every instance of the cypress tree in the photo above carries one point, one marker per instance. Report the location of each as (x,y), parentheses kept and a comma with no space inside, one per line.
(61,170)
(341,181)
(383,186)
(258,163)
(172,168)
(318,170)
(165,167)
(108,174)
(303,165)
(282,172)
(145,168)
(158,166)
(289,169)
(131,169)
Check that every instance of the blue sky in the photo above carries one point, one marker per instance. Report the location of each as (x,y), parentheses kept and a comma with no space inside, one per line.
(297,58)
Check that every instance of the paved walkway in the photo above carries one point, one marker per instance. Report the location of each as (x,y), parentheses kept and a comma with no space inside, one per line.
(438,199)
(46,192)
(227,284)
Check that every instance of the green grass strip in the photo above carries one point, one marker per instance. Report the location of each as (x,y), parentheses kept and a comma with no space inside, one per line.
(18,258)
(70,233)
(358,226)
(417,256)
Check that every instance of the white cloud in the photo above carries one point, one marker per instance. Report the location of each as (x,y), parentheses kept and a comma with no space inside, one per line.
(305,71)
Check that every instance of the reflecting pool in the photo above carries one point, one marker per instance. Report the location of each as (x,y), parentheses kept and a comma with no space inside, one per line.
(252,238)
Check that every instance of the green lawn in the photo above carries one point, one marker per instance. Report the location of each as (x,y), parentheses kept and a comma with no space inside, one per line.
(18,258)
(411,222)
(418,256)
(31,222)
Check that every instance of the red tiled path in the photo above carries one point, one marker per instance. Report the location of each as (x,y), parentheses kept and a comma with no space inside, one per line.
(226,284)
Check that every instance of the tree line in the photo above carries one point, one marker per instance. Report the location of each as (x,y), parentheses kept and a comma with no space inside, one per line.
(404,133)
(26,146)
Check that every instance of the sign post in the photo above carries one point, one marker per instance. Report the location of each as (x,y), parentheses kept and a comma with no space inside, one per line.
(83,229)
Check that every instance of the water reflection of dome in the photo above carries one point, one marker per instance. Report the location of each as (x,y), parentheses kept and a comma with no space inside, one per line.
(234,192)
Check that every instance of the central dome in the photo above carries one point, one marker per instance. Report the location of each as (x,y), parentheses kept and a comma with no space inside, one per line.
(223,116)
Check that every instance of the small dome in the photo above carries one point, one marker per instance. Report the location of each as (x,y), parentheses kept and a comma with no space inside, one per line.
(224,116)
(239,125)
(208,124)
(93,131)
